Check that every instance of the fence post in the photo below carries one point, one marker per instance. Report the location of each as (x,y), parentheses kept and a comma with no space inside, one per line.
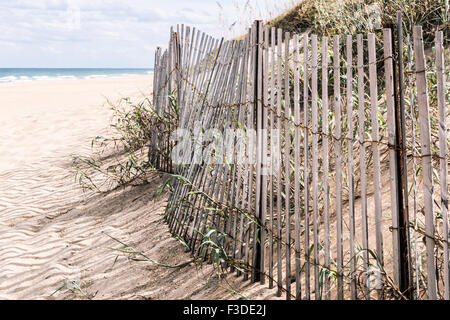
(402,171)
(257,92)
(395,187)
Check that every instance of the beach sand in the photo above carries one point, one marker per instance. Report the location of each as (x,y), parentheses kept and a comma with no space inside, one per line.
(53,235)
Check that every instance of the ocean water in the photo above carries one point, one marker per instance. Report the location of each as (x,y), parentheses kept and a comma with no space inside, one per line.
(37,74)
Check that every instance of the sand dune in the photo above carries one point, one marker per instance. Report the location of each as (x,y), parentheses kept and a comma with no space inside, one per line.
(53,235)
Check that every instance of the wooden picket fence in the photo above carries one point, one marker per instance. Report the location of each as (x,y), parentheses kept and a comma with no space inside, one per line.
(333,145)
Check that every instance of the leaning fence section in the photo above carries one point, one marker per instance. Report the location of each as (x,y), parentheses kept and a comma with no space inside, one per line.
(303,163)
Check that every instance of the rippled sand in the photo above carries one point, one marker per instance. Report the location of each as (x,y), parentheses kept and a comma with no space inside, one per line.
(51,232)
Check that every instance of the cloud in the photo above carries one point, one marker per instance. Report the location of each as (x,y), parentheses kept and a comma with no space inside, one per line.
(98,33)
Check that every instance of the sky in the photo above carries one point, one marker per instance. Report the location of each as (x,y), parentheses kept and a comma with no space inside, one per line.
(113,33)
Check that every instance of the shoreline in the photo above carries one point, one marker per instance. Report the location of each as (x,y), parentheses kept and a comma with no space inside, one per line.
(73,78)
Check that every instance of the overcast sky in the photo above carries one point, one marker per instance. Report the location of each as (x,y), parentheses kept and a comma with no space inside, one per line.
(112,33)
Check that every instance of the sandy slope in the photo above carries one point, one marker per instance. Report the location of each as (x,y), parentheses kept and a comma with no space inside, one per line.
(50,232)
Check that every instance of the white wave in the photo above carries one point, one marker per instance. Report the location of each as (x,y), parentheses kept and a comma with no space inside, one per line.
(94,76)
(68,77)
(40,78)
(8,79)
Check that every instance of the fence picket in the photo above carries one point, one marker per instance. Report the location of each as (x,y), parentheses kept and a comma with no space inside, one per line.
(375,152)
(412,115)
(338,165)
(325,159)
(362,160)
(272,156)
(443,152)
(260,148)
(306,164)
(264,151)
(287,164)
(350,175)
(315,163)
(425,138)
(297,124)
(279,164)
(250,144)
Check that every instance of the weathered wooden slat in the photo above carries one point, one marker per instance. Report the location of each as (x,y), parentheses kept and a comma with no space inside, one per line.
(153,156)
(156,78)
(167,104)
(297,124)
(350,175)
(164,104)
(183,49)
(338,165)
(279,165)
(272,155)
(325,165)
(250,149)
(315,164)
(306,164)
(412,115)
(169,82)
(264,162)
(362,159)
(256,254)
(178,61)
(167,109)
(375,152)
(427,167)
(186,66)
(257,83)
(156,84)
(402,159)
(443,152)
(389,81)
(287,163)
